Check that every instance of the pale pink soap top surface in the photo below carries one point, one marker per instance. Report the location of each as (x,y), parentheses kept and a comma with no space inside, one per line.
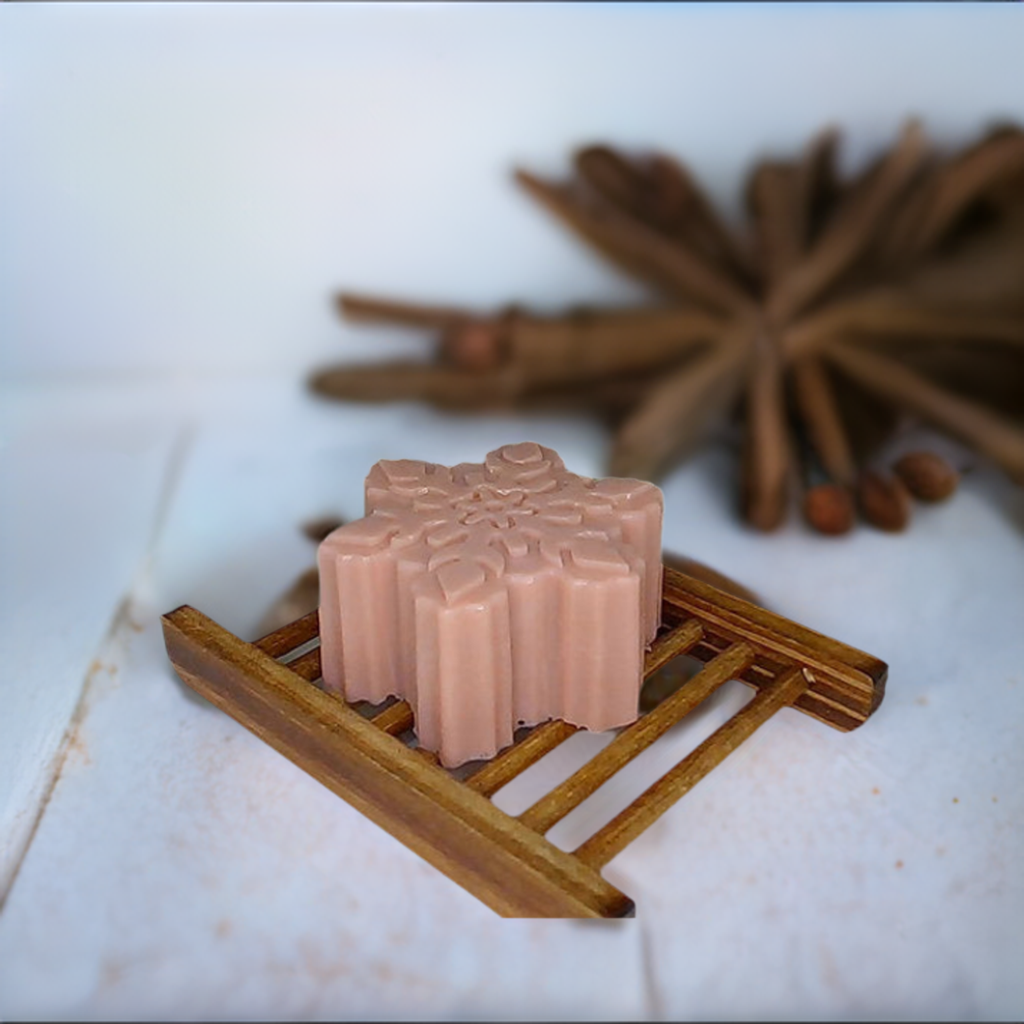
(493,594)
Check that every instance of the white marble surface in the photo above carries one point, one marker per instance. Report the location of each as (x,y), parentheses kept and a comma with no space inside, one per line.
(183,869)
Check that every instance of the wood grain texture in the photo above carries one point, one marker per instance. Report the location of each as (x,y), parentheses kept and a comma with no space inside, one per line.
(1000,439)
(507,863)
(635,739)
(510,762)
(286,639)
(846,685)
(509,867)
(676,783)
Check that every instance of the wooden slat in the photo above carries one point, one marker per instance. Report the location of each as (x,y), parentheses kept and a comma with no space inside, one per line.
(822,703)
(658,798)
(394,719)
(502,769)
(670,645)
(632,741)
(307,666)
(850,679)
(451,824)
(287,638)
(508,867)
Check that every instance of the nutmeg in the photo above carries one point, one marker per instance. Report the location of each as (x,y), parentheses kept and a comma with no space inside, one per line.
(884,501)
(928,476)
(829,508)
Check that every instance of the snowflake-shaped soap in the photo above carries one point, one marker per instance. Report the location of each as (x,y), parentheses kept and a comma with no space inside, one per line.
(491,595)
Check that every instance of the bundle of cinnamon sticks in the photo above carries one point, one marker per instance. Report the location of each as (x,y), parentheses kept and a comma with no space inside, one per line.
(841,305)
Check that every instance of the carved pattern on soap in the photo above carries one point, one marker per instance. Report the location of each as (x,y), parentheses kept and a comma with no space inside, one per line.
(492,595)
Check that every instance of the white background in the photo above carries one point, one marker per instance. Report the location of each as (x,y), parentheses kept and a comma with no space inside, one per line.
(184,186)
(182,190)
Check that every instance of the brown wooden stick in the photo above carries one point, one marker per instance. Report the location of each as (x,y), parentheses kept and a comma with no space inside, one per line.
(503,768)
(658,798)
(683,211)
(663,195)
(634,740)
(965,179)
(594,343)
(403,380)
(786,201)
(581,343)
(882,318)
(307,665)
(675,411)
(780,214)
(989,434)
(614,177)
(395,718)
(850,233)
(982,272)
(462,834)
(285,639)
(820,181)
(766,456)
(638,248)
(816,403)
(373,309)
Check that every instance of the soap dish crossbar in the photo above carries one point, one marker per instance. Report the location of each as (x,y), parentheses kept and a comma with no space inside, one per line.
(362,753)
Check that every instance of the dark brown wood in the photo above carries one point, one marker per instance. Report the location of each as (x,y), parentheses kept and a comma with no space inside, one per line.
(1000,440)
(500,861)
(516,759)
(766,460)
(505,862)
(286,639)
(846,685)
(658,798)
(816,403)
(675,412)
(635,739)
(638,248)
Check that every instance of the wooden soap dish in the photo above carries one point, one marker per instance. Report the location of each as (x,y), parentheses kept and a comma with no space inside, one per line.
(362,754)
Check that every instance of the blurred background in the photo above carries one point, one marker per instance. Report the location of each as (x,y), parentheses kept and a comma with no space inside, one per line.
(183,191)
(186,187)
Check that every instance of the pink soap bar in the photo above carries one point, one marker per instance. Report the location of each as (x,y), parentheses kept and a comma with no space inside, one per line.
(493,595)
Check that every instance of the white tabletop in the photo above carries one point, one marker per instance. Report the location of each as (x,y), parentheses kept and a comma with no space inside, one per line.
(181,868)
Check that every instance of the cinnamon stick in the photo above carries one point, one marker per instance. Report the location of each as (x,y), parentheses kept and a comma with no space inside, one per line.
(780,219)
(565,349)
(989,434)
(883,318)
(850,233)
(766,456)
(682,209)
(816,403)
(819,181)
(676,410)
(614,177)
(662,194)
(402,380)
(590,344)
(638,248)
(371,309)
(965,179)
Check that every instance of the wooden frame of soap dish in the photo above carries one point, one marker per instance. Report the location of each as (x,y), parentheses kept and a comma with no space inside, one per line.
(363,754)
